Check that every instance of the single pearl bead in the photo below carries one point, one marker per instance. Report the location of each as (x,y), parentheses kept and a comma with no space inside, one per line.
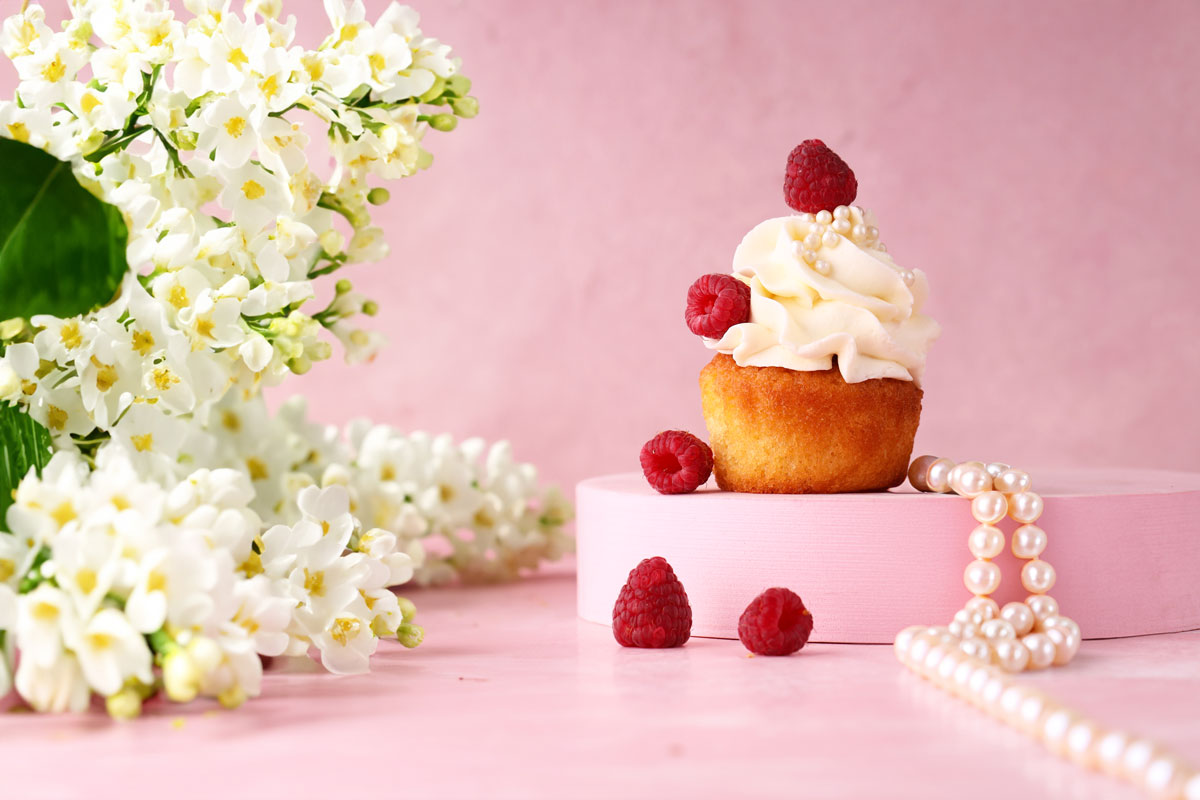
(1011,655)
(969,631)
(970,479)
(998,629)
(1042,606)
(842,226)
(995,468)
(1011,481)
(1164,776)
(1055,728)
(809,257)
(1041,650)
(1059,621)
(881,247)
(986,541)
(918,649)
(823,267)
(962,616)
(981,577)
(824,217)
(938,476)
(1081,743)
(985,607)
(1038,576)
(1066,645)
(975,647)
(1028,541)
(812,241)
(1033,712)
(904,640)
(907,276)
(1026,506)
(872,232)
(979,678)
(989,507)
(831,238)
(962,676)
(859,232)
(1019,615)
(989,695)
(809,218)
(816,227)
(918,472)
(841,212)
(1010,703)
(1110,750)
(946,667)
(1138,755)
(933,658)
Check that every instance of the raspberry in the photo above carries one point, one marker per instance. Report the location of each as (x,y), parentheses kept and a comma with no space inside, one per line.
(817,179)
(652,609)
(675,462)
(776,623)
(715,303)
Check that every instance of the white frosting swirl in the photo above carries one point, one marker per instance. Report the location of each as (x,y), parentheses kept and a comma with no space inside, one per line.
(843,297)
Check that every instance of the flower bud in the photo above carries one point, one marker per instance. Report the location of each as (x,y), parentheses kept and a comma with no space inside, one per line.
(370,308)
(125,704)
(465,107)
(443,122)
(458,85)
(343,286)
(435,91)
(11,328)
(232,697)
(408,609)
(206,654)
(299,365)
(181,679)
(378,196)
(410,635)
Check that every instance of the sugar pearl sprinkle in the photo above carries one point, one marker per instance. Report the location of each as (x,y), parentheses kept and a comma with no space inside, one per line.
(829,229)
(976,656)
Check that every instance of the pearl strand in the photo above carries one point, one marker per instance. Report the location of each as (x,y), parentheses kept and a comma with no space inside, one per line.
(937,655)
(974,656)
(1028,635)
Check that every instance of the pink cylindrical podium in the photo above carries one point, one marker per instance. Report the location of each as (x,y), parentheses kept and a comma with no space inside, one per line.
(1125,543)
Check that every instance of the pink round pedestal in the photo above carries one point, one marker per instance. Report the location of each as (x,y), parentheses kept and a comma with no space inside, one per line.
(1126,544)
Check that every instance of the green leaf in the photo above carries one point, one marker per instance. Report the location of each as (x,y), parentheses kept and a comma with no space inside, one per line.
(24,443)
(62,250)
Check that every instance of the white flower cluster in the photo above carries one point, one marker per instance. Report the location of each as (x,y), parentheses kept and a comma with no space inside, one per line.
(464,510)
(198,132)
(106,574)
(182,532)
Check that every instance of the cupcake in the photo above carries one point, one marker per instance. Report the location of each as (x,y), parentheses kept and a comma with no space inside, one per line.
(820,345)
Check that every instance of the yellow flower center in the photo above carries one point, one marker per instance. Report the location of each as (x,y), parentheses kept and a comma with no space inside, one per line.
(156,581)
(64,513)
(269,86)
(177,296)
(237,57)
(8,568)
(85,579)
(204,327)
(18,131)
(56,418)
(253,190)
(106,374)
(54,71)
(70,335)
(143,442)
(143,341)
(100,641)
(235,126)
(344,629)
(314,583)
(45,612)
(163,378)
(258,470)
(88,102)
(231,421)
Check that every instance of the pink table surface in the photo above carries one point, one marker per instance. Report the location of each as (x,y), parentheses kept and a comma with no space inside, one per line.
(513,696)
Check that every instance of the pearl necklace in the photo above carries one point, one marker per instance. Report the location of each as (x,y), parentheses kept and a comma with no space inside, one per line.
(975,656)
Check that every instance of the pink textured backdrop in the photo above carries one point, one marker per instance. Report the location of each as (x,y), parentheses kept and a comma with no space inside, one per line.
(1038,160)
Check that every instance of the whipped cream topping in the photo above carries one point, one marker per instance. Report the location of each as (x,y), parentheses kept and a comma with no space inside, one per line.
(822,286)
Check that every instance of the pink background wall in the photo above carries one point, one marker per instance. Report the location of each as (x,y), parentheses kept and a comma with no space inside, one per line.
(1038,160)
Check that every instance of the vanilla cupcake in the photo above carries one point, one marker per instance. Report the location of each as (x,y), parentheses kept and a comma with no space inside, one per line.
(820,346)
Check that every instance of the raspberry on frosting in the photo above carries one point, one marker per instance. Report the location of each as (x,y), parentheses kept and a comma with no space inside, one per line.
(715,303)
(652,609)
(676,462)
(776,623)
(817,179)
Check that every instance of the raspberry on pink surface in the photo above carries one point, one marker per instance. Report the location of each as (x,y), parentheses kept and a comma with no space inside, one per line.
(817,179)
(776,623)
(715,303)
(652,609)
(676,462)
